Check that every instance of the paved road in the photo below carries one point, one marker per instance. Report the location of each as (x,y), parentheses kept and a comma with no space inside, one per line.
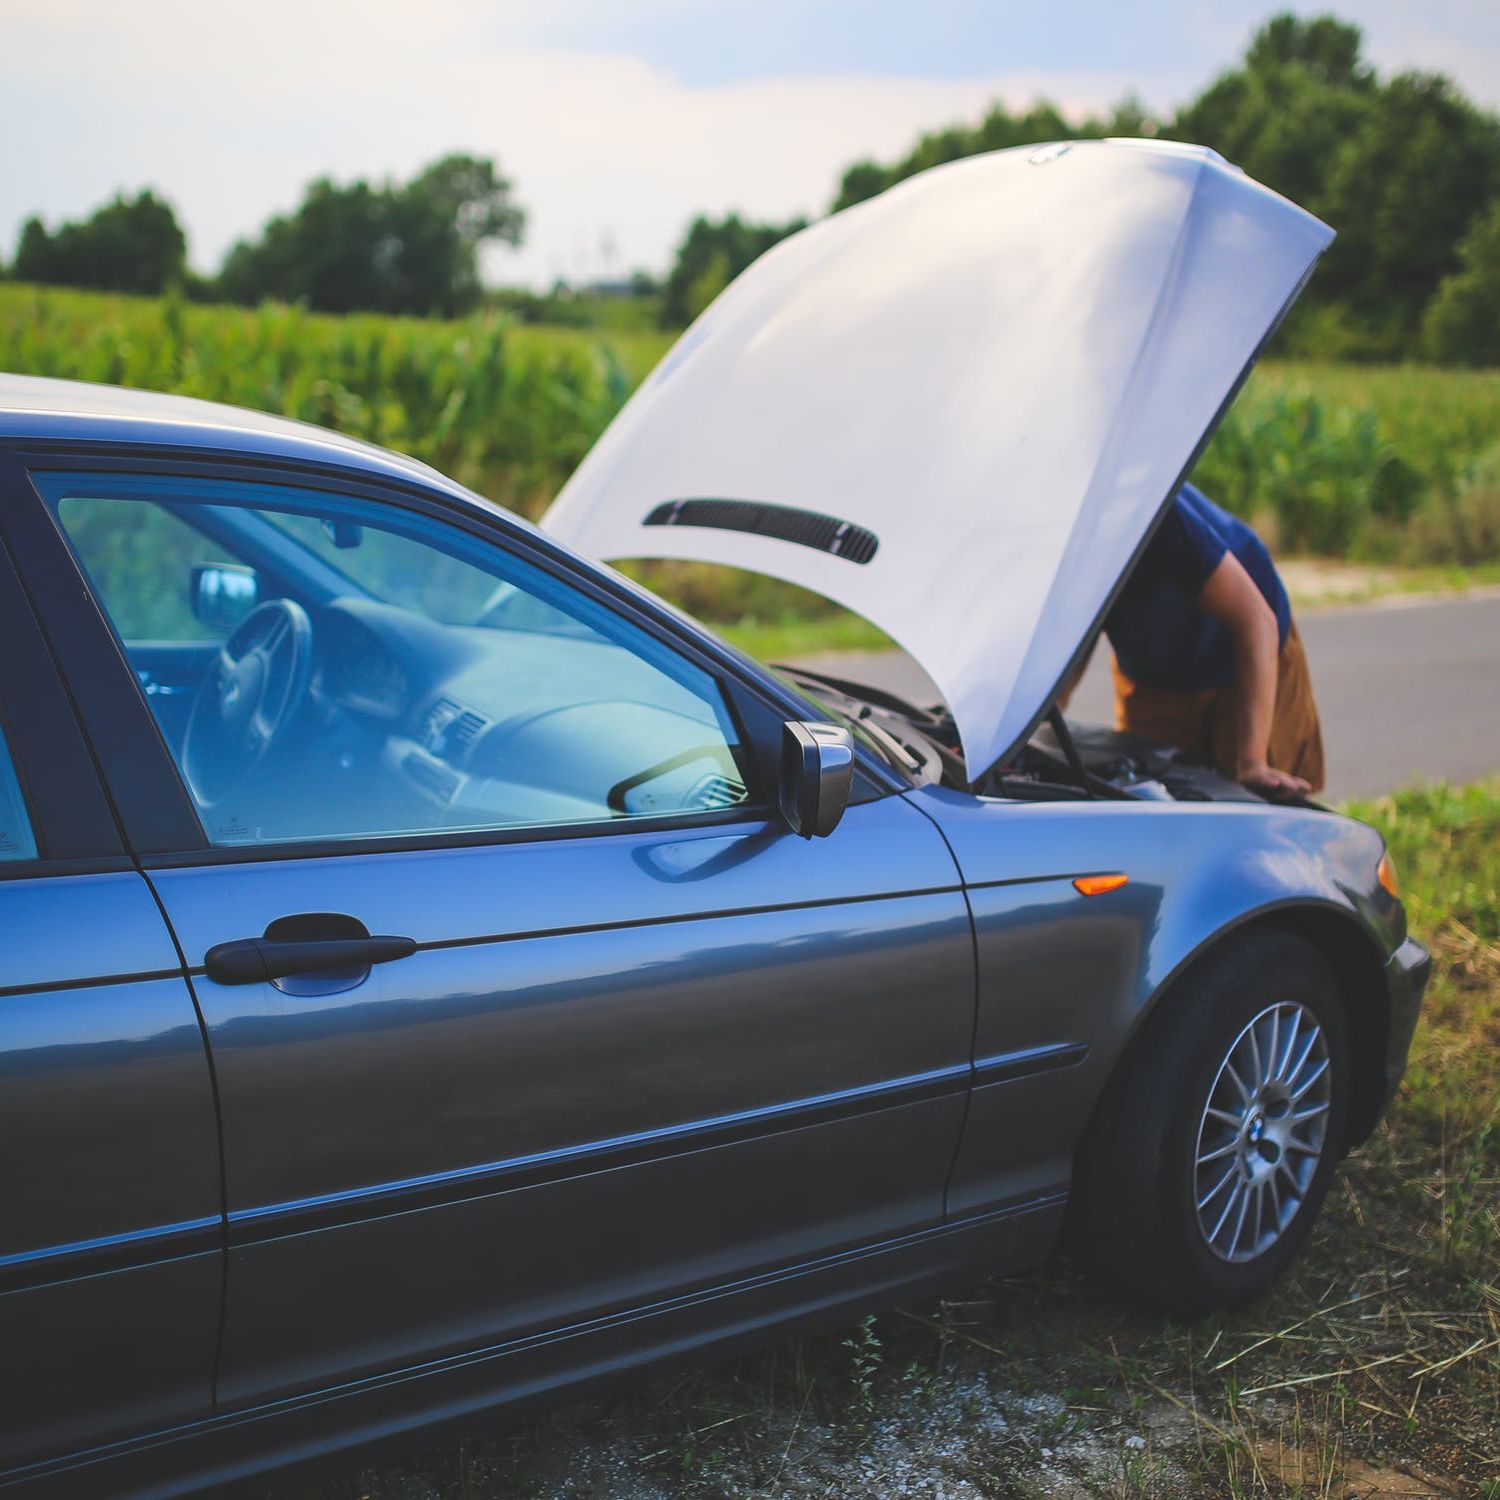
(1406,688)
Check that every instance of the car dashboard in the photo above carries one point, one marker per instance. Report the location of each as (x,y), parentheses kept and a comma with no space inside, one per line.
(452,727)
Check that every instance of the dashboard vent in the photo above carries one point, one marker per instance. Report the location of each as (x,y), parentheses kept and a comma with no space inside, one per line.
(464,730)
(715,792)
(449,729)
(437,719)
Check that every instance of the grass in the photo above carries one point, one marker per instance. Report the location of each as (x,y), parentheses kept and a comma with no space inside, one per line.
(1376,1360)
(792,637)
(1312,584)
(1435,418)
(1392,465)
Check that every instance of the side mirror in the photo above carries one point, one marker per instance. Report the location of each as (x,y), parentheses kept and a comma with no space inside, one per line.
(817,771)
(222,594)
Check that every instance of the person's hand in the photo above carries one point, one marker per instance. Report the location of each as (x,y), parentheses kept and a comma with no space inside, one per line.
(1279,786)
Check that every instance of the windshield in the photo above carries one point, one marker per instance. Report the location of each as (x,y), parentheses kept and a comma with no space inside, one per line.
(398,570)
(395,569)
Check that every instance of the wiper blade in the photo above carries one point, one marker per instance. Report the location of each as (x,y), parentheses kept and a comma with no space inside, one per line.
(911,738)
(901,754)
(857,690)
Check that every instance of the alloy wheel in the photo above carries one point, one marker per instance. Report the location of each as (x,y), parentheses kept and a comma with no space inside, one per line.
(1263,1132)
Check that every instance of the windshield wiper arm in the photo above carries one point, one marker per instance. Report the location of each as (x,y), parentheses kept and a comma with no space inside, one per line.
(904,757)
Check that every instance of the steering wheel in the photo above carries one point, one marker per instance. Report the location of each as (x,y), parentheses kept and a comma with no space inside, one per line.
(249,695)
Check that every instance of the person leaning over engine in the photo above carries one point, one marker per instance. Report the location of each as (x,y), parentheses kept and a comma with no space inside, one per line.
(1207,656)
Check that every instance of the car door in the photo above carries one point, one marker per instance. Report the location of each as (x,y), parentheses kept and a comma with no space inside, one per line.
(111,1232)
(589,1027)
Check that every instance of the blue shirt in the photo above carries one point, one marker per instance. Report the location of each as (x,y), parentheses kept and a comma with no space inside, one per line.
(1161,635)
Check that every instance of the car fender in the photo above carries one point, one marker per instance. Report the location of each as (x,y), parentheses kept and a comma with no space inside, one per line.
(1069,979)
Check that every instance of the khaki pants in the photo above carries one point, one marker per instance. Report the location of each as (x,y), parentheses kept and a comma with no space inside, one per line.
(1201,724)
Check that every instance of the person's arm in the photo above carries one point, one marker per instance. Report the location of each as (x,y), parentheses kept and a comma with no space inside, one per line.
(1231,597)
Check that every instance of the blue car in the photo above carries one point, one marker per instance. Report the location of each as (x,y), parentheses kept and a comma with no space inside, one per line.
(439,976)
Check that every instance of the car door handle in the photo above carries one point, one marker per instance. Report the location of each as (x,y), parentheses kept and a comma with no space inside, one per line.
(255,960)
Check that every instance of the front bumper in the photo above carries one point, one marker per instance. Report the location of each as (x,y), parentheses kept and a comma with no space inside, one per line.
(1406,977)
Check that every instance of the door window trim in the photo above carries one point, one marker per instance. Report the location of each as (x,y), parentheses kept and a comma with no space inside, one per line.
(160,820)
(72,822)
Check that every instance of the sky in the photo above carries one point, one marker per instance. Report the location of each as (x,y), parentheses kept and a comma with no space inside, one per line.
(617,120)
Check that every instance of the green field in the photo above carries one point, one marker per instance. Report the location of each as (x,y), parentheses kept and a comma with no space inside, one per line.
(508,410)
(1382,465)
(1394,463)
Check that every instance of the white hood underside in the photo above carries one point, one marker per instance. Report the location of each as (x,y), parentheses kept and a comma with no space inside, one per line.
(1000,368)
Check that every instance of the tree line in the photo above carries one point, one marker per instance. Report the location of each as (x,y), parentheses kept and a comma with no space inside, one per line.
(1405,168)
(393,247)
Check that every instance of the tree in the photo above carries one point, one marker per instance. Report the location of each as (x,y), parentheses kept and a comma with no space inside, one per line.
(1327,48)
(1402,169)
(33,252)
(710,257)
(1286,114)
(861,181)
(129,245)
(997,130)
(1403,191)
(411,248)
(1462,324)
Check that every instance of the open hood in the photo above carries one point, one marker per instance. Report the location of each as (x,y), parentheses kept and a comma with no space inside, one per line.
(959,408)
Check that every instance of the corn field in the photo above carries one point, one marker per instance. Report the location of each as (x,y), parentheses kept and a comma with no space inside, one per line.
(1373,464)
(507,411)
(1387,464)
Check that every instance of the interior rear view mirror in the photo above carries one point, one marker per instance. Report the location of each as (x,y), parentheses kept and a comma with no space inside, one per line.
(223,594)
(817,772)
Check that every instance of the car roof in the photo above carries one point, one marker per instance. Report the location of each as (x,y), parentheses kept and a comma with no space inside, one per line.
(39,410)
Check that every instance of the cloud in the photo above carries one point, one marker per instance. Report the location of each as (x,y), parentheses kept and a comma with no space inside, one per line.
(231,119)
(609,121)
(1460,38)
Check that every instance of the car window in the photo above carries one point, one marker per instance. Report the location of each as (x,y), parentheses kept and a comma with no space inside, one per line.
(16,838)
(386,673)
(130,555)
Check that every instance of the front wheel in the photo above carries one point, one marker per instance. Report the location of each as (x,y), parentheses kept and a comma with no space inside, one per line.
(1211,1151)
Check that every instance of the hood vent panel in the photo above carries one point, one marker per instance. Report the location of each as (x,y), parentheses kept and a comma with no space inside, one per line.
(787,523)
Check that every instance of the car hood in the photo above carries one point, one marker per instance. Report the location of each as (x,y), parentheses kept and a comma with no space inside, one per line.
(958,409)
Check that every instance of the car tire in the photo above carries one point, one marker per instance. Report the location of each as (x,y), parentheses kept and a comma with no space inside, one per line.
(1211,1150)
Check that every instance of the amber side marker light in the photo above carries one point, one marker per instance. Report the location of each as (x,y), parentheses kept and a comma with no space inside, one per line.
(1097,885)
(1386,873)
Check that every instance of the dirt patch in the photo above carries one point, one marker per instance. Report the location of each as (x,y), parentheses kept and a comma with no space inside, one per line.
(1325,1472)
(1314,581)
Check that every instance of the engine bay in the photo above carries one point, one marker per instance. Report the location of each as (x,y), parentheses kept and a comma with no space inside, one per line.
(1080,763)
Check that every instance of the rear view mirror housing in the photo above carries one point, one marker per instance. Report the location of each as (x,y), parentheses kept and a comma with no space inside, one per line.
(222,594)
(817,773)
